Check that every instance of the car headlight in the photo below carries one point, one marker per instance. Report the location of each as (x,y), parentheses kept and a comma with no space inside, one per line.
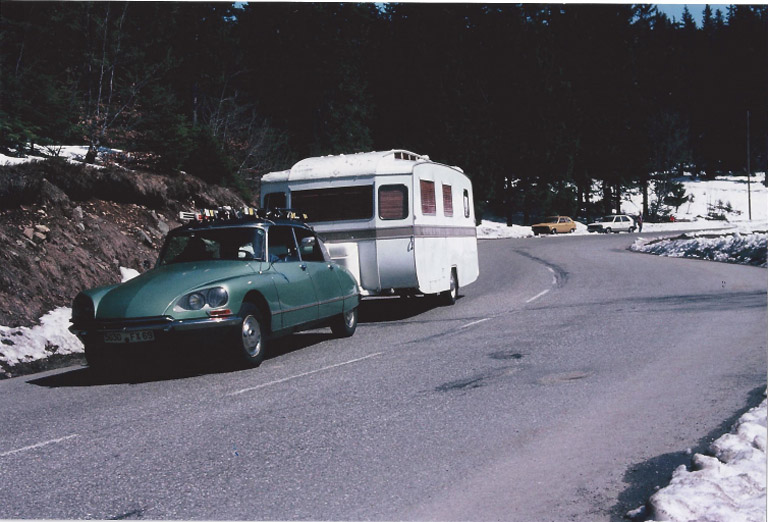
(217,297)
(211,297)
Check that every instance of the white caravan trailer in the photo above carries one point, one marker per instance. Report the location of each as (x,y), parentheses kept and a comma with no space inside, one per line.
(399,222)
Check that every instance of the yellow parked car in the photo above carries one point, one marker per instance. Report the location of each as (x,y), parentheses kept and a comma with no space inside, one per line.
(554,225)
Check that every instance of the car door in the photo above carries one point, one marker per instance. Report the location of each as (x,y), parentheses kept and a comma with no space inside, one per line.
(323,273)
(625,223)
(295,290)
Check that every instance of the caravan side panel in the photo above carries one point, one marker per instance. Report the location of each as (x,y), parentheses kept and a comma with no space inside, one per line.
(445,233)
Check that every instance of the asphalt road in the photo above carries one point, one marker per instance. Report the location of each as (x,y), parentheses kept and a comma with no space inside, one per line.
(565,384)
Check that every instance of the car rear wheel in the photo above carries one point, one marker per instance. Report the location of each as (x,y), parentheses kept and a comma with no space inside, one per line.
(248,342)
(345,324)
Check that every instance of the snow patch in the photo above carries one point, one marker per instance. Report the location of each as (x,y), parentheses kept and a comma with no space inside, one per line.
(729,486)
(749,249)
(489,229)
(51,336)
(126,274)
(71,153)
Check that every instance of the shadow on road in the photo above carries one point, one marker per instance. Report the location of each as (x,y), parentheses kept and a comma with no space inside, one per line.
(195,362)
(645,477)
(388,309)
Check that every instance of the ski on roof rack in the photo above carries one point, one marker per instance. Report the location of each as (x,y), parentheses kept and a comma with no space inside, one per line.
(228,213)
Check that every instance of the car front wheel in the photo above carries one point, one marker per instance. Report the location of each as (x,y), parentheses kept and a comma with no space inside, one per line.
(248,342)
(345,324)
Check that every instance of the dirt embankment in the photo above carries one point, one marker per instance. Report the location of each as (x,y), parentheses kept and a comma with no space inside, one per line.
(65,227)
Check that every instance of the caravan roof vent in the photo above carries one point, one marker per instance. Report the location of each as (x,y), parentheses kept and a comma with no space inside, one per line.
(409,156)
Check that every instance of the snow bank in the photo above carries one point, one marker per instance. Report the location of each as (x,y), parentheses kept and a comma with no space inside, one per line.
(72,153)
(489,229)
(22,344)
(729,486)
(51,336)
(749,249)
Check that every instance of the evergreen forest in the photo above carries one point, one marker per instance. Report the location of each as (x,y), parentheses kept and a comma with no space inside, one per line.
(549,108)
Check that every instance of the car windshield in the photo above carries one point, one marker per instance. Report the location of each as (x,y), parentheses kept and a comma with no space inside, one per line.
(607,219)
(551,219)
(245,243)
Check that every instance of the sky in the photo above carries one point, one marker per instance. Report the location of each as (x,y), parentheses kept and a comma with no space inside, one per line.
(676,10)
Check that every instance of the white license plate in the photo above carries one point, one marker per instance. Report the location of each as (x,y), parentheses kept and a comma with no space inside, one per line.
(139,336)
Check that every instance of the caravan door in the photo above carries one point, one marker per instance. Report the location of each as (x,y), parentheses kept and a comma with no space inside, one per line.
(394,233)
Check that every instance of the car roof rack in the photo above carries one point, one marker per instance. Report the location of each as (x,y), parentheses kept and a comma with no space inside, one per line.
(227,213)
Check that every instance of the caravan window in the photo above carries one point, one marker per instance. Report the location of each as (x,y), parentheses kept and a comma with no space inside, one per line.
(334,204)
(447,200)
(466,204)
(393,202)
(275,200)
(428,202)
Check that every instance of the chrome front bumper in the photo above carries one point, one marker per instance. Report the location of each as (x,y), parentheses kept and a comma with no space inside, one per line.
(157,324)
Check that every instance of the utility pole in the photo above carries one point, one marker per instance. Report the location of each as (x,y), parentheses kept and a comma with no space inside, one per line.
(749,175)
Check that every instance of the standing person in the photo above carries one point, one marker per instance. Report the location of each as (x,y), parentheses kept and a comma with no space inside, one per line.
(639,223)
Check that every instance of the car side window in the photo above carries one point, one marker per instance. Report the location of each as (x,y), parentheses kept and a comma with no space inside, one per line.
(282,244)
(309,246)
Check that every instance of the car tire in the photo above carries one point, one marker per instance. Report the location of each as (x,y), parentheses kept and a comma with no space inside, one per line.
(571,231)
(607,230)
(345,324)
(553,231)
(248,343)
(631,230)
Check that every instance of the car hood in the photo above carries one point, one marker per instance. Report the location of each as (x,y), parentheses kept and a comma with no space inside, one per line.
(544,224)
(151,293)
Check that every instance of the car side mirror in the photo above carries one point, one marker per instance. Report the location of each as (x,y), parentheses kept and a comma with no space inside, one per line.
(307,245)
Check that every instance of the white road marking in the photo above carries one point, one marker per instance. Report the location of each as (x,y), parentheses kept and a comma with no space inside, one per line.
(537,295)
(475,322)
(38,445)
(554,276)
(264,385)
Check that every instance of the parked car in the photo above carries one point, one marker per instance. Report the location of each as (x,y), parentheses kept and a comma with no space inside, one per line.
(613,223)
(554,225)
(232,280)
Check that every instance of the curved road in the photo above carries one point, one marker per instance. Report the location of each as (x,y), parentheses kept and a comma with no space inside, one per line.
(565,384)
